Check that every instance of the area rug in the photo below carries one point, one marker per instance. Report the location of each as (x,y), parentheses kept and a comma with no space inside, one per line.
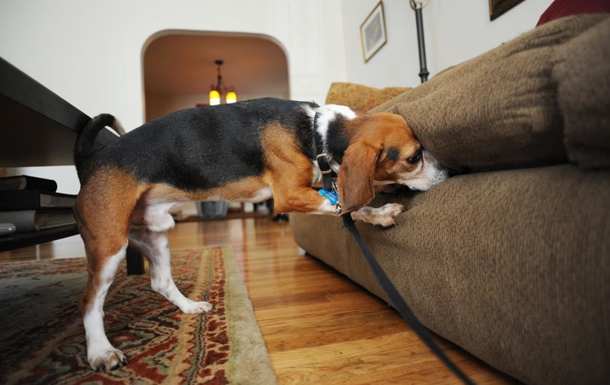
(42,340)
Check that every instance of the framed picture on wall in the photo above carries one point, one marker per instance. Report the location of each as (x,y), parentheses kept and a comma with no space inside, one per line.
(499,7)
(373,33)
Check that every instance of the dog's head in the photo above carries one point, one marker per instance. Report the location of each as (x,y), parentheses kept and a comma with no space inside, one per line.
(384,150)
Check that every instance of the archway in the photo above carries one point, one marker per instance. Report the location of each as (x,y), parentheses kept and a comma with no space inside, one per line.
(178,68)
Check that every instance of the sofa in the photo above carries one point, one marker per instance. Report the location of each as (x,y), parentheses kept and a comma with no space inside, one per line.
(510,259)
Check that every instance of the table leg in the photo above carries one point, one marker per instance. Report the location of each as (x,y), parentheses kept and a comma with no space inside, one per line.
(135,262)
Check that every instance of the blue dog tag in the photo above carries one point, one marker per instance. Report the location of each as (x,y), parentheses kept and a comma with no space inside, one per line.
(330,195)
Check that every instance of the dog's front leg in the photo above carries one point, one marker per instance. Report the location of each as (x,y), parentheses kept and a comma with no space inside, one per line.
(307,200)
(383,215)
(302,200)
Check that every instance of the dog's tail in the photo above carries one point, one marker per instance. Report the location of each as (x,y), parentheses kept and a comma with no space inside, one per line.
(85,142)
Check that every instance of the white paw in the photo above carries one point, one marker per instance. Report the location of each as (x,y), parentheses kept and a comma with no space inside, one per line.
(392,209)
(383,216)
(109,359)
(193,307)
(384,222)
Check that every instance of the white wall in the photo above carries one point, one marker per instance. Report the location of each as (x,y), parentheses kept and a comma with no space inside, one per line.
(393,65)
(455,31)
(462,29)
(89,52)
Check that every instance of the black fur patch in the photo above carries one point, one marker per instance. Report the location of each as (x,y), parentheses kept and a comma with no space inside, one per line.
(302,124)
(336,138)
(393,153)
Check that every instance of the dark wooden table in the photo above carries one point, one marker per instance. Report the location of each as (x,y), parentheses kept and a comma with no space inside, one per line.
(39,128)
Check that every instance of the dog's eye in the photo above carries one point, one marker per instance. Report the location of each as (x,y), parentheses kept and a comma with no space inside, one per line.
(415,158)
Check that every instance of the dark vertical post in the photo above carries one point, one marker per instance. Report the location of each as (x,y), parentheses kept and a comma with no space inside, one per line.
(135,262)
(423,70)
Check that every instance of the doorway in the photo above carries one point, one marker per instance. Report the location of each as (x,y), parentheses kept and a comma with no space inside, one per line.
(178,68)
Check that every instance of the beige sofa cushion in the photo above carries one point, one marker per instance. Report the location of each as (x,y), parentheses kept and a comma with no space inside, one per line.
(359,97)
(498,110)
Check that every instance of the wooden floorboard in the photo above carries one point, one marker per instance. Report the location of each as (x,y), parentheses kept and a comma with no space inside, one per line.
(319,327)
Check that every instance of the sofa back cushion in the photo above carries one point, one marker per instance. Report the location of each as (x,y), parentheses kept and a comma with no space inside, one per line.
(498,110)
(582,75)
(359,97)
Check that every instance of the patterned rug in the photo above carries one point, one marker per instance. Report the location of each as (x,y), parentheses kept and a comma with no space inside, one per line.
(42,340)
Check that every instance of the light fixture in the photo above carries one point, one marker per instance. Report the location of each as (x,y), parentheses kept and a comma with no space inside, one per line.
(231,97)
(217,89)
(214,98)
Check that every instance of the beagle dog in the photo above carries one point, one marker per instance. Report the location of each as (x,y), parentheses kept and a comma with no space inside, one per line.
(248,151)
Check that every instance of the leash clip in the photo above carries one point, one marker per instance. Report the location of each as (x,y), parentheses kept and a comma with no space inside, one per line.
(336,192)
(332,196)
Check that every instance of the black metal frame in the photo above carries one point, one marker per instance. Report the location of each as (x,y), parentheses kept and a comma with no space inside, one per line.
(16,85)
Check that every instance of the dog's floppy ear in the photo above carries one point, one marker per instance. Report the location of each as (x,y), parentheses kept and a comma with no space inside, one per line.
(357,174)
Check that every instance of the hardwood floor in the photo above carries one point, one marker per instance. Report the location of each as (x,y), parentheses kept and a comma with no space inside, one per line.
(319,327)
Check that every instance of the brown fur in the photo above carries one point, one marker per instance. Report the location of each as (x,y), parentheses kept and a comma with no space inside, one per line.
(357,175)
(289,172)
(229,192)
(365,160)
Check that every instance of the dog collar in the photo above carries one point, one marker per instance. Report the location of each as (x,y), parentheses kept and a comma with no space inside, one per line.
(329,191)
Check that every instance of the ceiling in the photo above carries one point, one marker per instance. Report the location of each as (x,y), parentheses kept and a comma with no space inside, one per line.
(182,63)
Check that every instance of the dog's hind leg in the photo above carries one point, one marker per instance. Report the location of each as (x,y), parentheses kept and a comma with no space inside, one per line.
(102,210)
(100,353)
(155,246)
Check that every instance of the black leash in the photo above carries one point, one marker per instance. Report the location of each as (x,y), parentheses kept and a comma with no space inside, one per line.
(400,304)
